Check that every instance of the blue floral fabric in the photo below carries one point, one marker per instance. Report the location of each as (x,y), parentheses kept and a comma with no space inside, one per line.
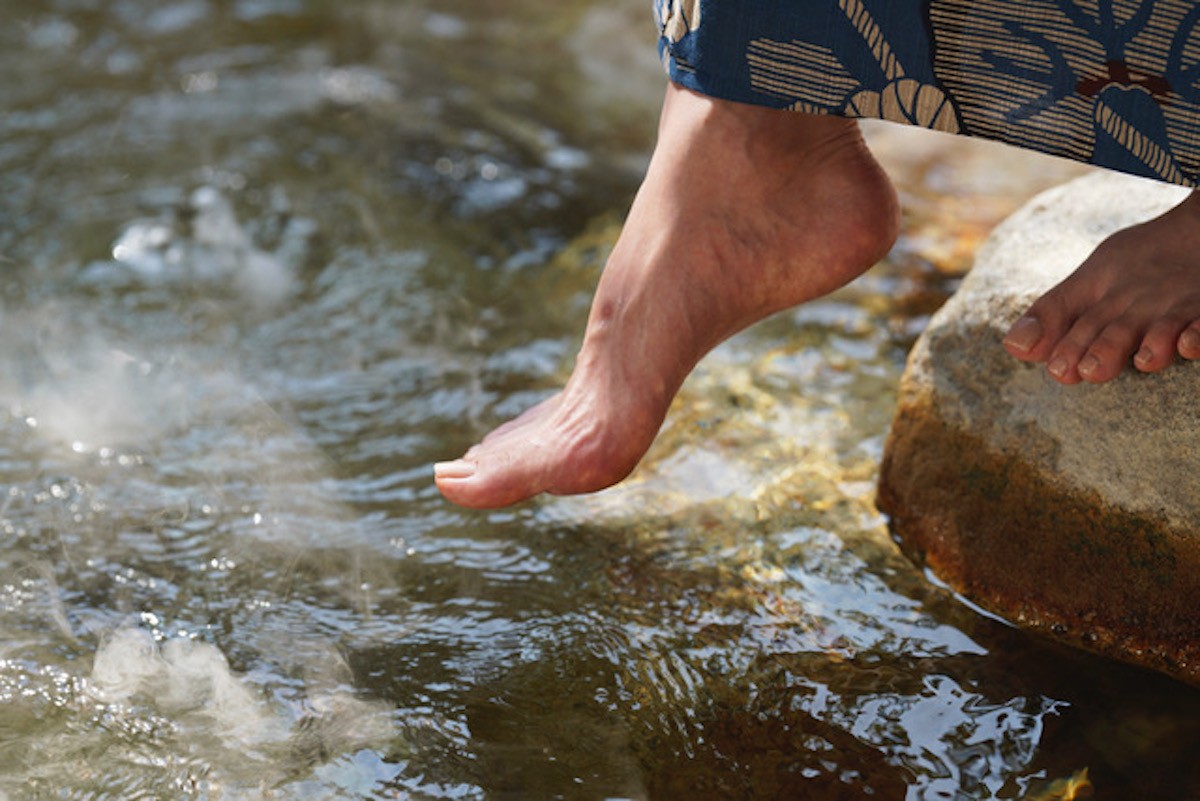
(1115,83)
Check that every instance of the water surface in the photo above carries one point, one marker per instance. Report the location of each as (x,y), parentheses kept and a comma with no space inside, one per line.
(266,260)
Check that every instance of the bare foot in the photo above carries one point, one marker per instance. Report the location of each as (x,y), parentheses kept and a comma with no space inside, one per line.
(744,211)
(1137,295)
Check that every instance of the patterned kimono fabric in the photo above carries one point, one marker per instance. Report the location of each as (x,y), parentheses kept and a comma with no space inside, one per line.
(1114,83)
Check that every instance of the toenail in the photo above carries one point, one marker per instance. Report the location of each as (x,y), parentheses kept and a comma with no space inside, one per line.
(1190,340)
(459,468)
(1024,334)
(1058,367)
(1144,356)
(1088,366)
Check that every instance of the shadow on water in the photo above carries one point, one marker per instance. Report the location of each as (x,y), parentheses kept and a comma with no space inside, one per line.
(266,260)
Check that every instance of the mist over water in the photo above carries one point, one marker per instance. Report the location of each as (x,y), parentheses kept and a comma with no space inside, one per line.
(265,261)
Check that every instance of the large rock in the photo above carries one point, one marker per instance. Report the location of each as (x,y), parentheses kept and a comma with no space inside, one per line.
(1071,510)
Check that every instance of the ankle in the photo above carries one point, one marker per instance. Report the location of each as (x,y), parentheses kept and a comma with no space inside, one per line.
(759,134)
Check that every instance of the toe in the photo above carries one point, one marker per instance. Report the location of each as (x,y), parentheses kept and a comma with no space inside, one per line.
(1023,337)
(1075,350)
(489,480)
(1033,337)
(1063,361)
(1109,352)
(1157,349)
(1189,341)
(507,467)
(1061,366)
(1036,333)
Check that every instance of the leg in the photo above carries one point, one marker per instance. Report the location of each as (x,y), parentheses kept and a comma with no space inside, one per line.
(744,211)
(1137,295)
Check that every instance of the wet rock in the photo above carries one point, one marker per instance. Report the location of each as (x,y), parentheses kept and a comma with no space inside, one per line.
(1070,510)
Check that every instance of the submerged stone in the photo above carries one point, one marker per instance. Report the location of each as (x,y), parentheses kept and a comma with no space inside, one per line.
(1072,510)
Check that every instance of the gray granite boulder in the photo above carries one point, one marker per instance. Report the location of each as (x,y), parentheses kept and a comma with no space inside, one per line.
(1074,510)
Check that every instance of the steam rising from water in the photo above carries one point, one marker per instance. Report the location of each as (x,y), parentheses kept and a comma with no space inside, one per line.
(81,377)
(191,683)
(203,244)
(95,394)
(183,676)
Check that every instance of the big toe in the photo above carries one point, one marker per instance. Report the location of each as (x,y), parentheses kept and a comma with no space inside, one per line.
(486,479)
(1023,338)
(1039,330)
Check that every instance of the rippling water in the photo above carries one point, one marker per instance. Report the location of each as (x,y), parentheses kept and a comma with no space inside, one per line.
(266,260)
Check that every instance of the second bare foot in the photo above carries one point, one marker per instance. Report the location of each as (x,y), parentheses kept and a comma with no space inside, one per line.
(1137,296)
